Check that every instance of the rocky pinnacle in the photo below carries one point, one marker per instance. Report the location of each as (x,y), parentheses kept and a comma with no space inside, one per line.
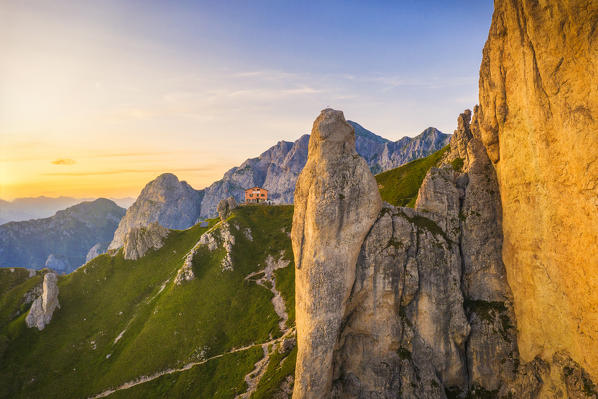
(336,204)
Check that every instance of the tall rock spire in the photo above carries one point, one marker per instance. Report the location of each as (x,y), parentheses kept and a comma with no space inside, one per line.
(336,204)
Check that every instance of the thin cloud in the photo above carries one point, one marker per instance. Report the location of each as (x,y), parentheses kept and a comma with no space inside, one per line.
(123,171)
(63,161)
(131,154)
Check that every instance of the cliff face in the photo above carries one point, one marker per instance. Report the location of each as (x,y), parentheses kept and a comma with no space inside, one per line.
(139,240)
(423,308)
(171,203)
(539,123)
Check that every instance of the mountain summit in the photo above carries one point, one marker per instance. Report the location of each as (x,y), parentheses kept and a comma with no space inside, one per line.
(172,203)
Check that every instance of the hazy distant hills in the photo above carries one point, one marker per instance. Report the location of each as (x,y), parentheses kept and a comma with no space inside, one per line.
(62,241)
(43,207)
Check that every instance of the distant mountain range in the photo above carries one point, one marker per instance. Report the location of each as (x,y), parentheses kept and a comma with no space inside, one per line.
(42,207)
(174,204)
(277,168)
(68,239)
(63,241)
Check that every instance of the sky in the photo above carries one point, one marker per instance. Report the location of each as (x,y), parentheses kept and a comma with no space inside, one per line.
(97,98)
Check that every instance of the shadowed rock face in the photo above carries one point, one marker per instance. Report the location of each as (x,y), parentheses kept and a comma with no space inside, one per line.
(539,123)
(336,203)
(430,311)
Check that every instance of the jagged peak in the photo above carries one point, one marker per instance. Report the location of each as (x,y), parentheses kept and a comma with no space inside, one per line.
(360,131)
(430,132)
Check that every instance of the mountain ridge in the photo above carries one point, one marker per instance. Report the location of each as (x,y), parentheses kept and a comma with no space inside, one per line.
(28,208)
(62,241)
(276,169)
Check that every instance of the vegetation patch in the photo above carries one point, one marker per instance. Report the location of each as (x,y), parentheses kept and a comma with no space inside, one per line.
(12,298)
(281,366)
(457,164)
(404,354)
(122,319)
(399,186)
(427,224)
(218,378)
(12,277)
(490,312)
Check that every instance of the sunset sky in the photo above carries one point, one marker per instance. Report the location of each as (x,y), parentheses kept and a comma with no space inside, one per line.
(99,97)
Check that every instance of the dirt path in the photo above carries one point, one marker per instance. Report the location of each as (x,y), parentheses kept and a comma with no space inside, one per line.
(268,281)
(147,378)
(252,379)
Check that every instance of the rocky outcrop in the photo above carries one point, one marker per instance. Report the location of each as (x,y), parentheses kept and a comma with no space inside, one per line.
(538,122)
(95,251)
(336,203)
(430,312)
(425,311)
(43,307)
(221,236)
(228,240)
(225,207)
(140,240)
(62,241)
(171,203)
(185,273)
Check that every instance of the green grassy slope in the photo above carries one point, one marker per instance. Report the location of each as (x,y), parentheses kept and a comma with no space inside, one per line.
(125,326)
(121,320)
(399,186)
(12,277)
